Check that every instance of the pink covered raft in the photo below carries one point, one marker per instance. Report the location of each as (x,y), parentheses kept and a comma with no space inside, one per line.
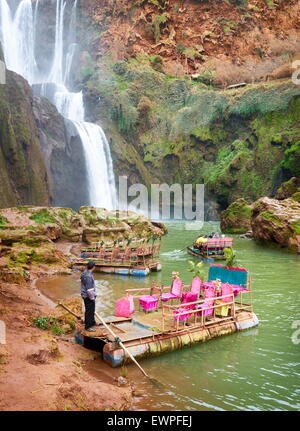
(163,319)
(211,248)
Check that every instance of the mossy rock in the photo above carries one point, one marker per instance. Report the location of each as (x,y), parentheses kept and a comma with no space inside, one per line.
(236,219)
(277,221)
(3,221)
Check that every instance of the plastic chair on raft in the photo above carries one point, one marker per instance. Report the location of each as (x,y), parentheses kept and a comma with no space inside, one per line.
(208,302)
(224,302)
(188,298)
(150,302)
(195,288)
(115,254)
(175,292)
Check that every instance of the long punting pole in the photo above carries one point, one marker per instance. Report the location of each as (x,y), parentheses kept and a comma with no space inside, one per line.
(122,345)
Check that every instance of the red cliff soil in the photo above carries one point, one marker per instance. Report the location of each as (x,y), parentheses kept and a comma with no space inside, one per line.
(40,371)
(215,29)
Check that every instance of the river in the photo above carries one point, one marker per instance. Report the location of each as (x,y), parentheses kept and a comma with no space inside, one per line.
(254,370)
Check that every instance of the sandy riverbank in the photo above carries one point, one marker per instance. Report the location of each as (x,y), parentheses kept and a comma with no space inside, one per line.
(40,371)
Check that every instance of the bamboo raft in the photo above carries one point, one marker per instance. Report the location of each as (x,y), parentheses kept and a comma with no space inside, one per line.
(213,248)
(152,334)
(135,260)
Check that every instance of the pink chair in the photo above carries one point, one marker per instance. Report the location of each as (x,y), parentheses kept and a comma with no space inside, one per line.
(209,293)
(195,289)
(237,289)
(189,297)
(227,290)
(175,293)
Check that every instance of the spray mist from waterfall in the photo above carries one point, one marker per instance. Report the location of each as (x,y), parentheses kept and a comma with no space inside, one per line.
(19,37)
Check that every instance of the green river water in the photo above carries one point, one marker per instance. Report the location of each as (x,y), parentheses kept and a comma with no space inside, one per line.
(257,369)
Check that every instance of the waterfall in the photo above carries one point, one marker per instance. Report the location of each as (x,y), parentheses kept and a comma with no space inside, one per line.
(19,37)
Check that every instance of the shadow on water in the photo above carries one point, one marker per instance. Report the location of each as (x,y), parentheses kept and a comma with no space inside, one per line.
(253,370)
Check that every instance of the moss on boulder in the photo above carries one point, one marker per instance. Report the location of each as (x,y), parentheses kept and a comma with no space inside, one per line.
(277,221)
(236,219)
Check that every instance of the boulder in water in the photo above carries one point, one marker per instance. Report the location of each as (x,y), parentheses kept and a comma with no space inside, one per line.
(236,219)
(277,221)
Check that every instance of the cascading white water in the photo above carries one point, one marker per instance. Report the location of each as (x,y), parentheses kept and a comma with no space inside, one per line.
(18,34)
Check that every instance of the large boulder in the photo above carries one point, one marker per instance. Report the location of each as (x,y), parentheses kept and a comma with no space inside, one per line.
(277,221)
(236,219)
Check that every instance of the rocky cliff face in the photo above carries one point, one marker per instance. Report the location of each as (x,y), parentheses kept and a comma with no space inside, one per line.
(136,60)
(41,156)
(23,177)
(63,155)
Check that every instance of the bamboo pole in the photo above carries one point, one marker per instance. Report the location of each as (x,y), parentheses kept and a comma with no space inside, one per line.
(121,344)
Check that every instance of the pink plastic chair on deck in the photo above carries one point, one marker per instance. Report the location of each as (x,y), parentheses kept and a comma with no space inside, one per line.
(195,289)
(209,293)
(237,289)
(227,290)
(176,291)
(189,297)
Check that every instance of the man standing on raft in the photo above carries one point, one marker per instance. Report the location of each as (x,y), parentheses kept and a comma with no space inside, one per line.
(88,294)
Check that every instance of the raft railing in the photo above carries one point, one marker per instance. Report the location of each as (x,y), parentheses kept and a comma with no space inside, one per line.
(241,305)
(140,291)
(235,306)
(197,310)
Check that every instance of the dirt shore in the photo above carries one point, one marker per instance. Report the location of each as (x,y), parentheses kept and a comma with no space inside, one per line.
(41,371)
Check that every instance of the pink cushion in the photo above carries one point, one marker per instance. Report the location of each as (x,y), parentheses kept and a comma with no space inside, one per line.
(189,297)
(148,302)
(167,296)
(204,305)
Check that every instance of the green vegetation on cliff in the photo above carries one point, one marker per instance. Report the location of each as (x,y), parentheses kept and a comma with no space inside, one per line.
(237,142)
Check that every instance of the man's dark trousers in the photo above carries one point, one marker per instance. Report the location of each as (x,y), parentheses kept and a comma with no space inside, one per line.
(89,317)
